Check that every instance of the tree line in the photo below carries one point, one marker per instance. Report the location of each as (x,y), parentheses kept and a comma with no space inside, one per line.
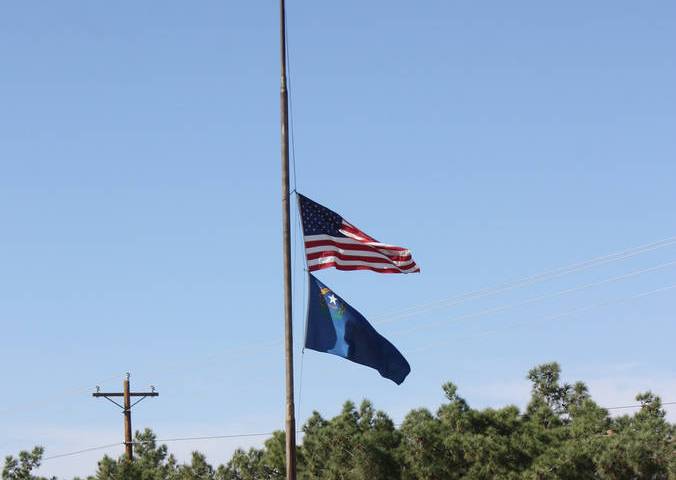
(562,434)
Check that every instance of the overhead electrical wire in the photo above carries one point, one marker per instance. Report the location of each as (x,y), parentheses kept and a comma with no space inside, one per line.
(637,406)
(524,281)
(553,317)
(501,308)
(84,450)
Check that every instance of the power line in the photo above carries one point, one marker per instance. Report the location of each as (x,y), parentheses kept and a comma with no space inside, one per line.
(214,437)
(524,281)
(528,301)
(163,440)
(558,315)
(636,406)
(84,450)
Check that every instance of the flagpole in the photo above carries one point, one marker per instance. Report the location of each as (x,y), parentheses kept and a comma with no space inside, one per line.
(286,235)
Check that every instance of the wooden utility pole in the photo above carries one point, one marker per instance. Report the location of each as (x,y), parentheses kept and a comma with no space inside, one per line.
(286,249)
(126,409)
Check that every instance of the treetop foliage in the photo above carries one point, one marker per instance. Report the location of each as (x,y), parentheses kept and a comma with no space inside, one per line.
(562,434)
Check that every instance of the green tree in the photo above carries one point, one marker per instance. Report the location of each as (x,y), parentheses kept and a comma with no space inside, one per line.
(151,462)
(357,444)
(21,468)
(562,435)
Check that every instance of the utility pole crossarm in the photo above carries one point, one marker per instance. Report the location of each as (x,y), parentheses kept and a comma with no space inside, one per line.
(121,394)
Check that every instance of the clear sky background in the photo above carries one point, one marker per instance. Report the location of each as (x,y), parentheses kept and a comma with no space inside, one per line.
(140,216)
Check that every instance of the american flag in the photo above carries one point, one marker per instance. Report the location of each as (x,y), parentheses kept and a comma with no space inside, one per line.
(331,241)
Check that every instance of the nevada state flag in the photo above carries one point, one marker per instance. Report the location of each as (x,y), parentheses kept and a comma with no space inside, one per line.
(335,327)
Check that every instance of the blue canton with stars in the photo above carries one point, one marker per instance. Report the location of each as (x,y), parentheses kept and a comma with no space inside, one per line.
(318,220)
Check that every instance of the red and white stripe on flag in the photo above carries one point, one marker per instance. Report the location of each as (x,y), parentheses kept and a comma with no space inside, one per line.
(356,251)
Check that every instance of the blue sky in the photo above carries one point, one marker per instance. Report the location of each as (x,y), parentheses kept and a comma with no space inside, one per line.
(140,216)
